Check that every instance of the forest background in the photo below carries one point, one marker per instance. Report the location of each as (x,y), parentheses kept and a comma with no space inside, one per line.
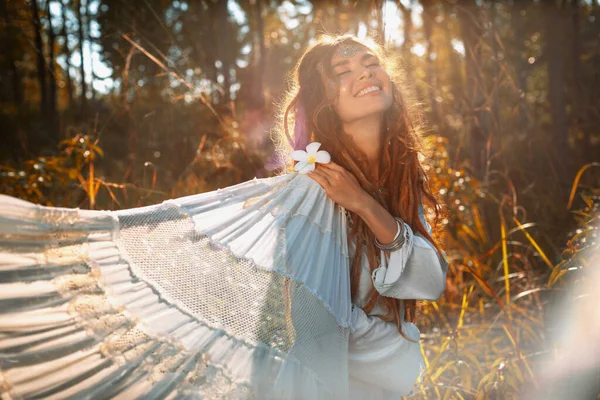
(110,104)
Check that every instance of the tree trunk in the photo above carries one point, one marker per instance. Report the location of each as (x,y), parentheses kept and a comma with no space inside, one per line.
(495,123)
(223,47)
(576,88)
(454,61)
(89,39)
(13,91)
(41,61)
(210,25)
(51,77)
(520,65)
(556,19)
(477,122)
(407,43)
(258,95)
(576,67)
(78,6)
(67,51)
(428,20)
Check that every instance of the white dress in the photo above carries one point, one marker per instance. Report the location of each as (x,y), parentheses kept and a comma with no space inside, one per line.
(239,293)
(382,363)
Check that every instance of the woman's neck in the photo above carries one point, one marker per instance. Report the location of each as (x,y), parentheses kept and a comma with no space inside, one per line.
(366,133)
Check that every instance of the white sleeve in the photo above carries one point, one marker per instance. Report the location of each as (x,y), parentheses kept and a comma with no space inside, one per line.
(379,356)
(415,271)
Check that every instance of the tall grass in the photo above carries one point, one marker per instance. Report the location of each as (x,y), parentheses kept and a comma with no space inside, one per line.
(489,335)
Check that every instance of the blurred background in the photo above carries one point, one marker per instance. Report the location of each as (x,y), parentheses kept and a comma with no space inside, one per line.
(109,104)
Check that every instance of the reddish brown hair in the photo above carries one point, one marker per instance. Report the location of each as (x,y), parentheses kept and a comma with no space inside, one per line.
(400,172)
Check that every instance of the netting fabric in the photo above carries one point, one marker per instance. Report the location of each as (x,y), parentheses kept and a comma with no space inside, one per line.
(237,293)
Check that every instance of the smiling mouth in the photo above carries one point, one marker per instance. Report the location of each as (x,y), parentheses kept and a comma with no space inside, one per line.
(368,90)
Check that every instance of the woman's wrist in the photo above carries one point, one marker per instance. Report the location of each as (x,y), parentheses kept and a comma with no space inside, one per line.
(378,219)
(366,205)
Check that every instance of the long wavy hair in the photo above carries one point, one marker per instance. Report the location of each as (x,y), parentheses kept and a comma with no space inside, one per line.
(401,175)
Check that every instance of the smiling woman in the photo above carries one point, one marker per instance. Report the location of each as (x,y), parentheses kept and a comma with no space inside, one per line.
(346,96)
(292,287)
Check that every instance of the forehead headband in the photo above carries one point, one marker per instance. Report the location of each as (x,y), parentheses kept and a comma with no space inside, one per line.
(348,51)
(345,51)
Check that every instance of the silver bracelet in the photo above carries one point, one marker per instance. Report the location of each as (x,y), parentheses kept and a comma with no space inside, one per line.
(396,243)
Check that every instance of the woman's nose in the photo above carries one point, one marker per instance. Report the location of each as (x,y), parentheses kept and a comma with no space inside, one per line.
(366,73)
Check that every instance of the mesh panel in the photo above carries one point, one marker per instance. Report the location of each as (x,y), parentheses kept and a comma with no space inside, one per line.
(147,307)
(205,280)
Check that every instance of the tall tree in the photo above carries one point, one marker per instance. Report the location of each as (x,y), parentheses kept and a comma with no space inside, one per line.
(40,58)
(67,53)
(10,75)
(89,38)
(496,75)
(258,96)
(556,22)
(576,67)
(478,120)
(200,23)
(52,95)
(407,43)
(80,30)
(429,15)
(520,66)
(224,50)
(454,60)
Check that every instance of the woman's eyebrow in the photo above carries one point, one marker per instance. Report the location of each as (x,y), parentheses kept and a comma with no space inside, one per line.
(344,62)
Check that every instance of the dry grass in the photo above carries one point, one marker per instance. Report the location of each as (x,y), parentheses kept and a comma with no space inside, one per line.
(489,335)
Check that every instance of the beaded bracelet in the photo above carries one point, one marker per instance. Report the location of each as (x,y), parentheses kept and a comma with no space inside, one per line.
(396,243)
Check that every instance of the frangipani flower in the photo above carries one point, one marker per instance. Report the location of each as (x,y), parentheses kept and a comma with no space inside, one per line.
(307,159)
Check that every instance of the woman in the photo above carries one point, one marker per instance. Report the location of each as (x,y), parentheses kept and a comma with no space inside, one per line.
(257,290)
(345,99)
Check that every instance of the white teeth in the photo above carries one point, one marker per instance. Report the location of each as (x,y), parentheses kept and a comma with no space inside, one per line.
(368,90)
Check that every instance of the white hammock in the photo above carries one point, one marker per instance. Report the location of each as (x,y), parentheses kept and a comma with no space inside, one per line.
(242,292)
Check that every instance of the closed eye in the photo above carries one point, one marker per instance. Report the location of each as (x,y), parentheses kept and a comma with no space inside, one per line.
(375,64)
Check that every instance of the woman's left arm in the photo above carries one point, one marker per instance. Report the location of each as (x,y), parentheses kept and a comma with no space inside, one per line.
(416,270)
(343,188)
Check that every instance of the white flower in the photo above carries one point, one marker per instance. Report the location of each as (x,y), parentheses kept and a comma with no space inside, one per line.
(307,159)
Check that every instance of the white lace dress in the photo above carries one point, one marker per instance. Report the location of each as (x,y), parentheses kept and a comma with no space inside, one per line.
(382,363)
(240,293)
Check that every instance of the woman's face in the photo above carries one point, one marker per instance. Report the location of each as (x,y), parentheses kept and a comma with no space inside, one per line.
(364,85)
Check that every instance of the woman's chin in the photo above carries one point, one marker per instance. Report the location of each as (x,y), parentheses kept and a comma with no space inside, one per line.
(379,102)
(364,107)
(373,108)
